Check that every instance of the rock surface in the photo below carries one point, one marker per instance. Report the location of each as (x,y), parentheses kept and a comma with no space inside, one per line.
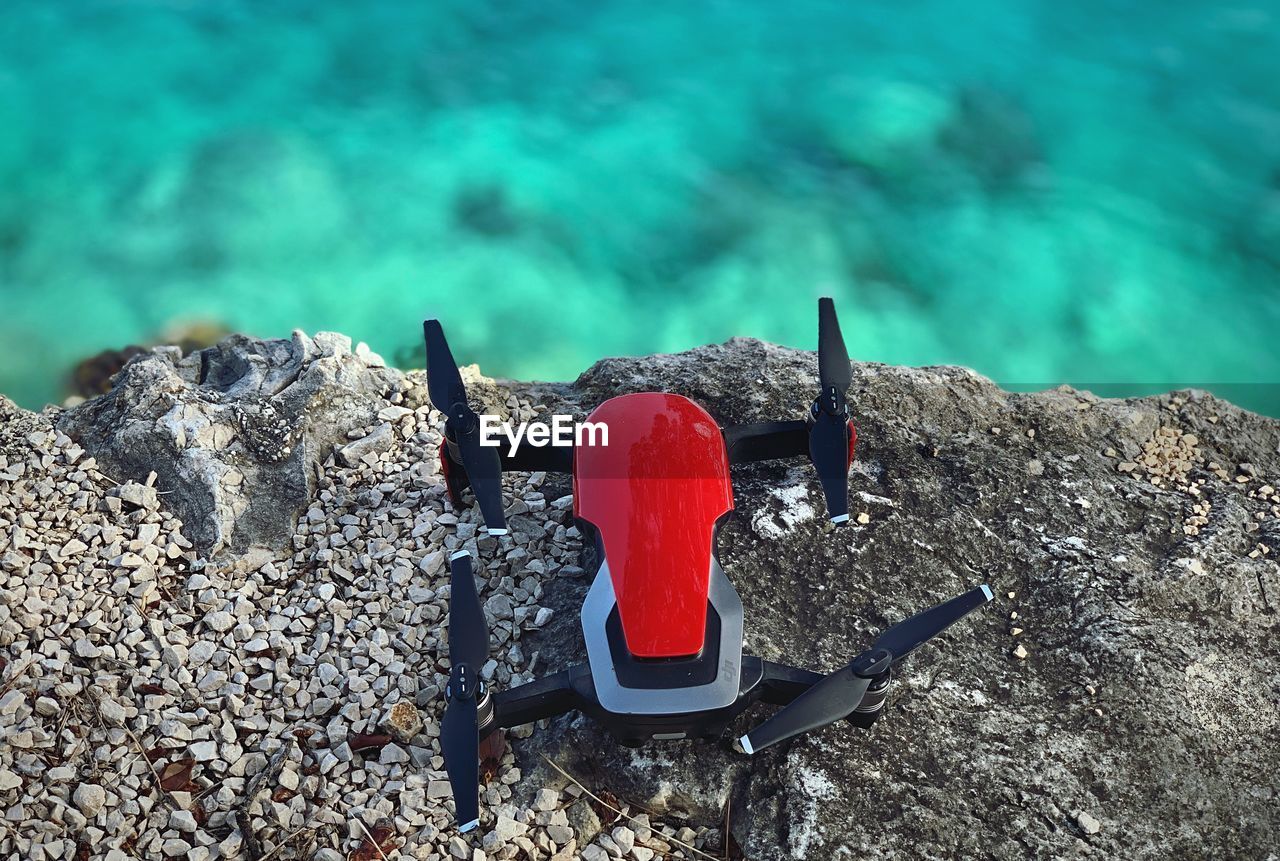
(234,432)
(1120,696)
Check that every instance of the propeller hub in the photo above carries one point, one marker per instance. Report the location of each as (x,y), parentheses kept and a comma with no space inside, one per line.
(462,417)
(464,684)
(832,402)
(872,663)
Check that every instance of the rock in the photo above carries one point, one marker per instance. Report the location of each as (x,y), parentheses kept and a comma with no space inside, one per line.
(89,799)
(236,430)
(403,721)
(380,440)
(220,621)
(500,607)
(506,829)
(392,754)
(331,573)
(112,712)
(11,702)
(624,837)
(85,649)
(1087,823)
(182,820)
(546,799)
(584,821)
(1109,606)
(135,495)
(203,751)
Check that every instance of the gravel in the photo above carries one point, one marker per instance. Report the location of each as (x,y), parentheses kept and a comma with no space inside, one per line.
(247,678)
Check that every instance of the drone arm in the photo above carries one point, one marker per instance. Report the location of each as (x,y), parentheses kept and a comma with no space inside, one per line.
(780,683)
(527,458)
(766,441)
(547,697)
(547,458)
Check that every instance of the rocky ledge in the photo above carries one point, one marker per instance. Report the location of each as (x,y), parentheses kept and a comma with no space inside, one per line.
(223,587)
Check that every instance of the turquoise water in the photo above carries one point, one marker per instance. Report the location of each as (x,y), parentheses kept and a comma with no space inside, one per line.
(1048,192)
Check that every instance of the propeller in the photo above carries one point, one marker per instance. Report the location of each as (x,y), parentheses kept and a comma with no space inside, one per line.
(829,431)
(482,463)
(460,729)
(837,695)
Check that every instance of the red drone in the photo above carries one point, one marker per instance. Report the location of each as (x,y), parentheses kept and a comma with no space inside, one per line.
(662,623)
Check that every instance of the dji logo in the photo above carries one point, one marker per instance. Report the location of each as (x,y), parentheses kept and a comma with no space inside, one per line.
(561,432)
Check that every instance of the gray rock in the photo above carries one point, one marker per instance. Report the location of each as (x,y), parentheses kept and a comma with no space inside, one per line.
(1147,692)
(1087,823)
(182,820)
(135,495)
(235,430)
(89,798)
(584,821)
(1181,726)
(10,702)
(378,441)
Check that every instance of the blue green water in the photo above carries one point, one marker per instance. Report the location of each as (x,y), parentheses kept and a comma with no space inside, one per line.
(1048,192)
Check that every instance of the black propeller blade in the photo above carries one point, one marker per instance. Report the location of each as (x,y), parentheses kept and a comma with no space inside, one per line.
(829,432)
(835,696)
(449,396)
(460,729)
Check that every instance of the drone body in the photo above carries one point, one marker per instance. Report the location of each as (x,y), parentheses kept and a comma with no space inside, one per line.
(662,622)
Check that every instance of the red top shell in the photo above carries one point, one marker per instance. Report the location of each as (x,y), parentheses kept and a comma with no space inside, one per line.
(655,493)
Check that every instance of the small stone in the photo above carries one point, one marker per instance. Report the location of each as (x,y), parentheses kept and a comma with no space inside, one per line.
(546,799)
(112,712)
(500,607)
(204,751)
(9,780)
(182,820)
(135,495)
(1087,823)
(864,518)
(220,621)
(561,834)
(392,754)
(624,837)
(85,649)
(506,829)
(89,799)
(1021,652)
(404,721)
(380,440)
(10,702)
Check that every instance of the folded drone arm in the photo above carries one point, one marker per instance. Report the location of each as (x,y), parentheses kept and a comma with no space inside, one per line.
(766,441)
(526,458)
(546,697)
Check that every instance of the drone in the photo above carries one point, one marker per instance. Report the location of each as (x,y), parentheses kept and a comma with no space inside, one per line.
(662,623)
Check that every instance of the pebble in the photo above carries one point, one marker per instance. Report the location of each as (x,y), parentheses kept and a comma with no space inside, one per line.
(89,799)
(1087,823)
(10,702)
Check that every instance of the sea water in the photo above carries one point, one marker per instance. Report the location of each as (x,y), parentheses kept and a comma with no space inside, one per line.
(1082,192)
